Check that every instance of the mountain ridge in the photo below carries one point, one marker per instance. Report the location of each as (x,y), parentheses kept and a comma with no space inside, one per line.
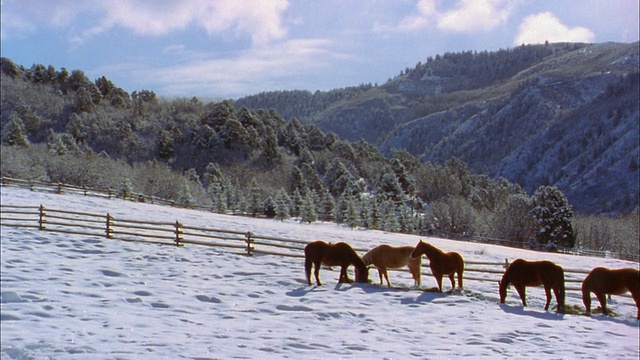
(555,114)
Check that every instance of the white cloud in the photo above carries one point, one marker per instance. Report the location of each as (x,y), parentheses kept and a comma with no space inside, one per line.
(258,68)
(546,26)
(467,16)
(260,20)
(476,15)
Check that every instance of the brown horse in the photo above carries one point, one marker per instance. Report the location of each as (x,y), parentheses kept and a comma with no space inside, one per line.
(389,257)
(441,263)
(602,281)
(522,273)
(340,254)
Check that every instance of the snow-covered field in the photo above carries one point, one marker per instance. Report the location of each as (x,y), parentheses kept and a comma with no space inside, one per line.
(79,297)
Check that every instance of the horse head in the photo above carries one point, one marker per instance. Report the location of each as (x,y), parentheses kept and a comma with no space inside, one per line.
(502,285)
(417,250)
(362,272)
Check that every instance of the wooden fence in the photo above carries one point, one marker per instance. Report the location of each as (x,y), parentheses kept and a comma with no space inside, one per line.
(59,188)
(175,233)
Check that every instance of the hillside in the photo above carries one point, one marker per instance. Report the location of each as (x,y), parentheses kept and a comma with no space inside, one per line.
(558,114)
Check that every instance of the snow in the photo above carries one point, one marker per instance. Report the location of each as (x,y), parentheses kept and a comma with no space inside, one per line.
(80,297)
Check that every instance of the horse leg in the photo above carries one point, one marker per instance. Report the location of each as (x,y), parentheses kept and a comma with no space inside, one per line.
(316,272)
(636,297)
(523,293)
(460,278)
(559,298)
(453,281)
(438,280)
(547,292)
(380,274)
(415,273)
(386,276)
(343,274)
(586,300)
(307,269)
(602,297)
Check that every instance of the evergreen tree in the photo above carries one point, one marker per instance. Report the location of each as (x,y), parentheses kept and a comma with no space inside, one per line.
(351,213)
(218,198)
(283,205)
(186,198)
(308,209)
(296,204)
(14,132)
(126,189)
(552,216)
(254,201)
(269,207)
(327,206)
(390,218)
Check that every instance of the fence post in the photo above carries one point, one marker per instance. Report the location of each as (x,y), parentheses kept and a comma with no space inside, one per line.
(41,217)
(249,242)
(506,263)
(59,190)
(178,232)
(108,228)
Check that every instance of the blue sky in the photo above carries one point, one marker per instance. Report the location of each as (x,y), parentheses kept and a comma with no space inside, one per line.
(232,48)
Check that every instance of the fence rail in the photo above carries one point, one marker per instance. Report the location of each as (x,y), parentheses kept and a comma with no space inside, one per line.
(109,193)
(178,234)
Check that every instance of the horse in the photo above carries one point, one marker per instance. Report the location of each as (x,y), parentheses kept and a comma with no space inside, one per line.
(441,263)
(340,254)
(385,257)
(522,273)
(602,281)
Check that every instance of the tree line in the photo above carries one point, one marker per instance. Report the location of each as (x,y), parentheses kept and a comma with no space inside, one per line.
(59,126)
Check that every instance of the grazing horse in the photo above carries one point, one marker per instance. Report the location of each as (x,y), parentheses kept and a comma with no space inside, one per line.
(441,263)
(340,254)
(522,273)
(385,257)
(602,281)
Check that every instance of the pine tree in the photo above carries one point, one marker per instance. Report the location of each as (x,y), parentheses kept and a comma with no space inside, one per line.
(283,205)
(126,189)
(552,216)
(351,213)
(390,218)
(14,132)
(308,209)
(327,206)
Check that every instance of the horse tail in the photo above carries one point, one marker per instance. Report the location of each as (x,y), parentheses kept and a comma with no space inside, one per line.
(586,294)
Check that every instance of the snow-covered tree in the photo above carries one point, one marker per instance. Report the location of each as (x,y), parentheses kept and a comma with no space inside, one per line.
(552,216)
(283,205)
(351,213)
(308,209)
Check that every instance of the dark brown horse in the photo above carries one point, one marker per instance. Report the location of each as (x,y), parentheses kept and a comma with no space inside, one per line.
(340,254)
(522,273)
(441,263)
(602,281)
(385,257)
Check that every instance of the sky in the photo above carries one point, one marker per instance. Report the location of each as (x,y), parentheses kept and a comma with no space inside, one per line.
(69,296)
(229,48)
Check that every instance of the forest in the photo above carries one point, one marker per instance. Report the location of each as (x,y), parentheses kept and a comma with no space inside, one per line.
(60,126)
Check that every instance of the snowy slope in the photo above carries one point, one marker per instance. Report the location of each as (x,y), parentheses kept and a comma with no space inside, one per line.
(78,297)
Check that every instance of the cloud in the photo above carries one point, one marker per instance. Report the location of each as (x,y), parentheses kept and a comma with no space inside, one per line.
(260,20)
(256,69)
(546,26)
(476,15)
(467,16)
